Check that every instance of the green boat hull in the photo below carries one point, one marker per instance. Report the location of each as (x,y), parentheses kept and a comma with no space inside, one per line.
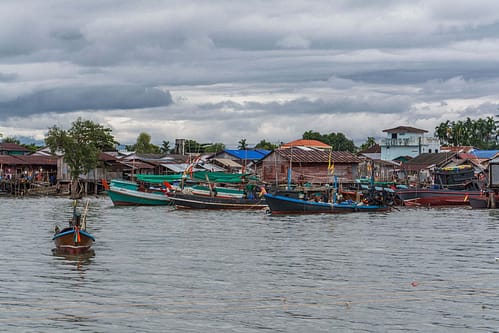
(126,197)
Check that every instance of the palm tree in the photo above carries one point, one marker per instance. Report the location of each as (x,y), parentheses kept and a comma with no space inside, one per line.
(242,144)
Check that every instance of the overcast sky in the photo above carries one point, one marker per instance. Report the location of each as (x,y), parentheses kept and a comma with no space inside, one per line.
(221,71)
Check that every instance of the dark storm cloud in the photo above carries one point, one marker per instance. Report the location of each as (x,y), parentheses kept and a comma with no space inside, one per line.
(379,62)
(6,77)
(415,75)
(69,99)
(303,106)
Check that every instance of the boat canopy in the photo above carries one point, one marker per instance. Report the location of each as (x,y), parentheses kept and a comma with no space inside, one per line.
(202,176)
(222,177)
(158,179)
(368,181)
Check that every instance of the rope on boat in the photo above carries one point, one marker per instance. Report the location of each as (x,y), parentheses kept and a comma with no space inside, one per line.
(250,208)
(84,216)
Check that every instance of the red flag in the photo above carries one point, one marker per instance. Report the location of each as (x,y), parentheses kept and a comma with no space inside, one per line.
(105,184)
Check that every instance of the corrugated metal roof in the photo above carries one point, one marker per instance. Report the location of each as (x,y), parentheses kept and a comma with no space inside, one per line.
(180,167)
(314,155)
(248,154)
(107,157)
(405,129)
(175,167)
(467,156)
(306,143)
(376,148)
(485,153)
(228,162)
(137,164)
(7,159)
(458,149)
(12,147)
(427,159)
(372,156)
(28,160)
(211,167)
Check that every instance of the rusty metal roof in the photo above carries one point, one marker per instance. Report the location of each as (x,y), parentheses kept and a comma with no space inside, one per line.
(137,164)
(426,160)
(28,160)
(106,157)
(9,146)
(312,155)
(376,148)
(8,159)
(405,129)
(306,143)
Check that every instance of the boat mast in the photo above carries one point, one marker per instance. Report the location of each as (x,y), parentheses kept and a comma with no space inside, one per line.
(289,168)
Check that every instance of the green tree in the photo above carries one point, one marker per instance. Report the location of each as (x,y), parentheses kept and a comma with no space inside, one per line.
(31,147)
(81,146)
(480,133)
(369,143)
(10,139)
(263,144)
(144,145)
(242,144)
(165,147)
(192,146)
(442,132)
(338,141)
(311,135)
(214,148)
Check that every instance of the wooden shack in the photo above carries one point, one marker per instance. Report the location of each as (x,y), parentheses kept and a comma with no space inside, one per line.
(308,165)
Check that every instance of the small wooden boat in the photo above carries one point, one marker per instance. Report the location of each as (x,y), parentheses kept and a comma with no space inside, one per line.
(295,202)
(221,192)
(281,205)
(452,186)
(74,239)
(194,201)
(436,197)
(126,193)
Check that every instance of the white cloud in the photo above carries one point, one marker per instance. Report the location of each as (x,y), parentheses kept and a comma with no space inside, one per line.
(265,70)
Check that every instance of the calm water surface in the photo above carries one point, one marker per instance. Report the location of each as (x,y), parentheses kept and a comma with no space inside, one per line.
(155,269)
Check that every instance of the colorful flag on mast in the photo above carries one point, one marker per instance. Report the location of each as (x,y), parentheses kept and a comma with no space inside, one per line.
(330,165)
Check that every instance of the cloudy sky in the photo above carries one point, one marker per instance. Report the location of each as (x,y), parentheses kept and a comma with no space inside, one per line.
(221,71)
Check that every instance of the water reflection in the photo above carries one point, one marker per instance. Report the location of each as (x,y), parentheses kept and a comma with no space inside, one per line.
(80,260)
(414,270)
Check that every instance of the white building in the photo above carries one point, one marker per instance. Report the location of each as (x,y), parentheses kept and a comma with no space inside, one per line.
(407,141)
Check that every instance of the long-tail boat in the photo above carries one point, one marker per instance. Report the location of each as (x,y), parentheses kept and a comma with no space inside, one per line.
(294,202)
(74,239)
(220,191)
(128,193)
(451,186)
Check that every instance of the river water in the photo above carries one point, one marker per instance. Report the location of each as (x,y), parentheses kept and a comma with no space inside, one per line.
(156,269)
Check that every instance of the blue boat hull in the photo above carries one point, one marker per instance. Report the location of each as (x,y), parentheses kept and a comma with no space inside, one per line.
(286,205)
